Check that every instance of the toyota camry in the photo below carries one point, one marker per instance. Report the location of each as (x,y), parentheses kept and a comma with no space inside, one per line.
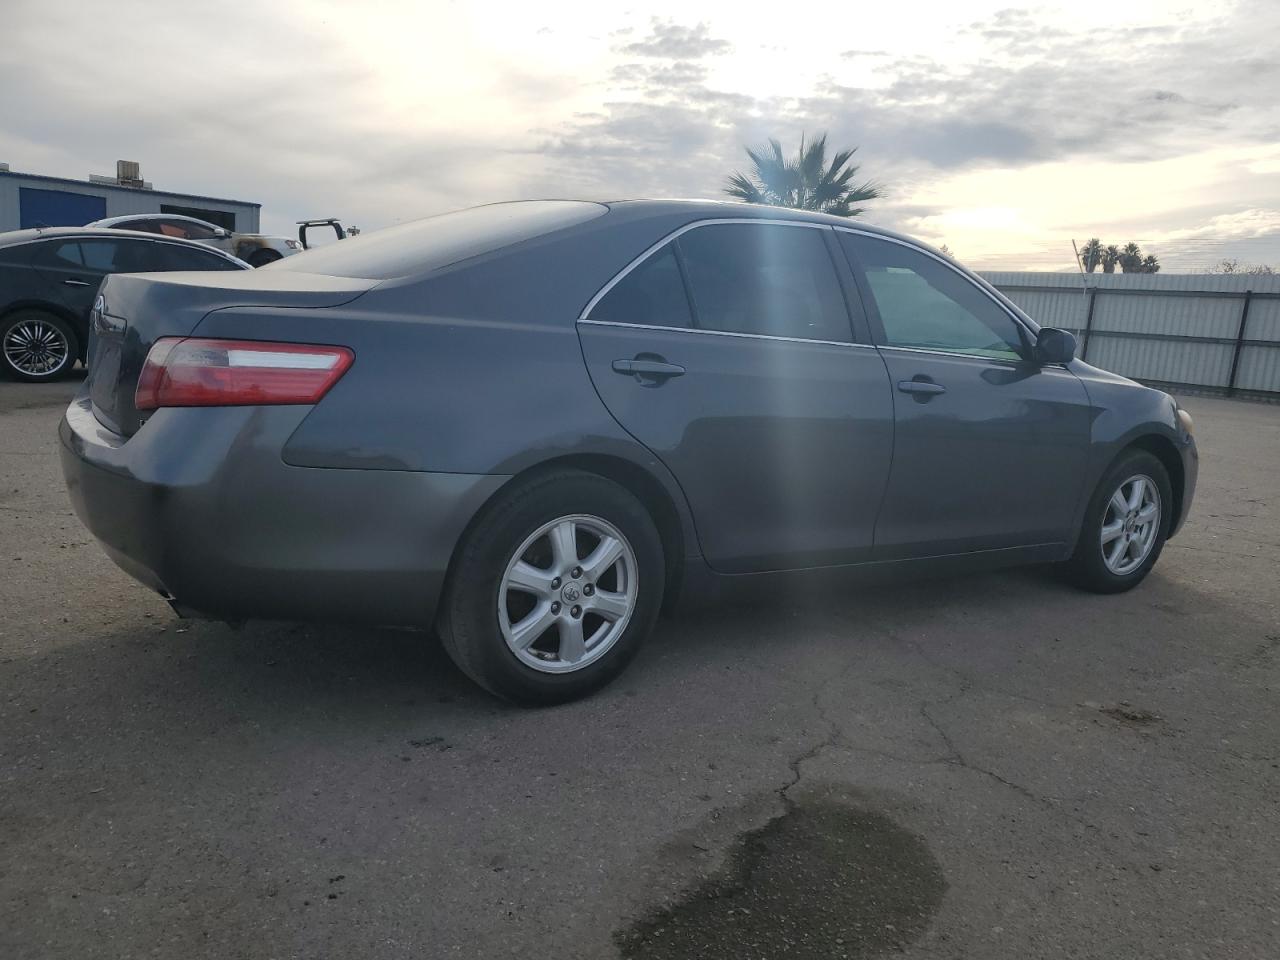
(532,426)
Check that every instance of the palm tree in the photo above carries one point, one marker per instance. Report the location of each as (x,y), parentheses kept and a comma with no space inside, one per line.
(807,182)
(1091,255)
(1110,257)
(1150,263)
(1131,258)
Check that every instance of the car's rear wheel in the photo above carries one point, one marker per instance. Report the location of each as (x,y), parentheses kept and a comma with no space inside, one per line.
(1125,525)
(36,346)
(554,589)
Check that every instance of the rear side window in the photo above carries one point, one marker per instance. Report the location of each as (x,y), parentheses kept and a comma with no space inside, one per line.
(58,255)
(652,294)
(926,305)
(85,256)
(768,279)
(18,255)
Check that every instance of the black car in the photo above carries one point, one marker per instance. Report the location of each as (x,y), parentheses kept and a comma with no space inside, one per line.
(49,279)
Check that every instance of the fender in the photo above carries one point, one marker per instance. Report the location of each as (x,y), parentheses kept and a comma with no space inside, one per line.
(1128,414)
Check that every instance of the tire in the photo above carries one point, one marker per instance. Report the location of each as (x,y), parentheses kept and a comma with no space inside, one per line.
(1091,567)
(37,346)
(260,258)
(493,610)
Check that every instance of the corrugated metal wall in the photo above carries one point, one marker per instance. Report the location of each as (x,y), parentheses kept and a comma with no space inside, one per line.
(119,200)
(1179,329)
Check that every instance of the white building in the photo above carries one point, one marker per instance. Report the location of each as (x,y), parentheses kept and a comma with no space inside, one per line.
(32,200)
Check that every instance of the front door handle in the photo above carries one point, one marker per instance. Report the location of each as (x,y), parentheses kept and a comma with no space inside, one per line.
(75,283)
(926,387)
(647,371)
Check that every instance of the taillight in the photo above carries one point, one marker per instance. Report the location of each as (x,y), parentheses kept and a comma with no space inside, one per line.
(196,372)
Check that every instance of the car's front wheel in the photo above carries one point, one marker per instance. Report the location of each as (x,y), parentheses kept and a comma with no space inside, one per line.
(261,258)
(36,346)
(554,589)
(1125,525)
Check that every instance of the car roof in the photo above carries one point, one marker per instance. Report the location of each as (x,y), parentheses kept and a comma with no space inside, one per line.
(111,221)
(700,209)
(14,238)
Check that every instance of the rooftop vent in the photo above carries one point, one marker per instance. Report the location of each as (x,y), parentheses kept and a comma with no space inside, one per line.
(128,173)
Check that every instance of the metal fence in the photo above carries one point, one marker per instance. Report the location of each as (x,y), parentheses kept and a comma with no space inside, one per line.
(1213,332)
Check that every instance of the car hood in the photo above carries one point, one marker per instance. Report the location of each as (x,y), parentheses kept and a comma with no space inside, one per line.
(258,236)
(1087,371)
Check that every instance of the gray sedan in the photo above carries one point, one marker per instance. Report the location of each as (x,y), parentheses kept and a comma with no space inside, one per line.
(532,426)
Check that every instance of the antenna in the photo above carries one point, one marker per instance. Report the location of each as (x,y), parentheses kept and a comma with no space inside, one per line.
(1084,284)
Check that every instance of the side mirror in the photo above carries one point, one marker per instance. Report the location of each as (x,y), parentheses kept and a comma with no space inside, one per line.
(221,233)
(1055,346)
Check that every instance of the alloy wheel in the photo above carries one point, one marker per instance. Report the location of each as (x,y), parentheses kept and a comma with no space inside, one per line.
(568,593)
(1130,524)
(36,348)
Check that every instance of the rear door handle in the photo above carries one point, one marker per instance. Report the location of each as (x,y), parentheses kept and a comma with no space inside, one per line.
(921,386)
(75,283)
(658,369)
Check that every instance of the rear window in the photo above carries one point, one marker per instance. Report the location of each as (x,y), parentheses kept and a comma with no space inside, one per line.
(424,245)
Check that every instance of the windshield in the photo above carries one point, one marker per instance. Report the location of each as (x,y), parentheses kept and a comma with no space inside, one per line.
(423,245)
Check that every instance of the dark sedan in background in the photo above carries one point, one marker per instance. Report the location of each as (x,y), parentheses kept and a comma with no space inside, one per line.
(49,279)
(530,425)
(255,249)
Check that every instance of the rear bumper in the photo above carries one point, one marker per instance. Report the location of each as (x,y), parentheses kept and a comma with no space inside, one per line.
(199,506)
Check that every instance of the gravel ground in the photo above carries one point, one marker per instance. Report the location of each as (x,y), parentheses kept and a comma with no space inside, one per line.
(987,767)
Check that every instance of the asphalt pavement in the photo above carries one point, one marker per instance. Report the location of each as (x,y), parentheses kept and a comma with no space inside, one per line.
(994,766)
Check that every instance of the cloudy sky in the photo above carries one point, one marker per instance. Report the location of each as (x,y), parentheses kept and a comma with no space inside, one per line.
(1001,131)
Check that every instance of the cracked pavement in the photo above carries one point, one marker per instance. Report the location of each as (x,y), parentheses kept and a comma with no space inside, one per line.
(1093,776)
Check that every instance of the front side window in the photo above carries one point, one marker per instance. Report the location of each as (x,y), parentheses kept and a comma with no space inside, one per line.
(651,295)
(184,229)
(768,279)
(100,255)
(926,305)
(141,256)
(142,225)
(174,257)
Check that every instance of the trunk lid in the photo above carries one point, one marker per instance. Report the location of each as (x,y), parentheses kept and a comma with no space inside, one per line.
(132,311)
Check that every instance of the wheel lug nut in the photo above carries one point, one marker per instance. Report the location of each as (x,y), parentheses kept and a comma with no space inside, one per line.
(576,572)
(576,612)
(555,606)
(555,583)
(588,590)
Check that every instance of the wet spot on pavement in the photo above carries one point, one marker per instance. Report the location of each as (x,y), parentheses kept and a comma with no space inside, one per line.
(823,880)
(1128,714)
